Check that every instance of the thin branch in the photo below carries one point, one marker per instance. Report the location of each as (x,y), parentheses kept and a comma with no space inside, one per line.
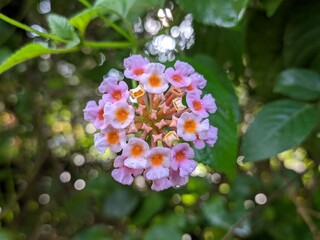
(303,211)
(30,29)
(272,197)
(107,44)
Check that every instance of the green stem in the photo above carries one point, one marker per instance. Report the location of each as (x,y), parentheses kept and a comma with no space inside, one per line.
(116,27)
(108,22)
(85,3)
(29,29)
(107,44)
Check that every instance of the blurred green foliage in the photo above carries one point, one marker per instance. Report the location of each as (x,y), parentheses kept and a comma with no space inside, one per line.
(262,62)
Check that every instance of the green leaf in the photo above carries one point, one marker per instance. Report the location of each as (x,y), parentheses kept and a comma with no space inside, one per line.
(302,84)
(141,6)
(82,19)
(225,45)
(120,204)
(215,211)
(27,52)
(60,26)
(97,232)
(300,47)
(162,232)
(279,125)
(222,157)
(264,37)
(216,12)
(271,6)
(121,7)
(151,205)
(4,54)
(101,7)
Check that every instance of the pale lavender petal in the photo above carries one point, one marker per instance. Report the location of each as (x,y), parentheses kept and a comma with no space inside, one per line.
(105,85)
(184,68)
(187,167)
(161,184)
(157,173)
(91,111)
(212,136)
(100,142)
(122,175)
(118,161)
(209,103)
(136,163)
(199,143)
(177,180)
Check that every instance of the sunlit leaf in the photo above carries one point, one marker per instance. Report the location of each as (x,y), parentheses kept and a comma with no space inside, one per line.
(279,126)
(121,7)
(302,84)
(27,52)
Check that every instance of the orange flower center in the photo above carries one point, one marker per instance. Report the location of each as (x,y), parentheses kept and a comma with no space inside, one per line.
(116,95)
(157,159)
(136,151)
(122,115)
(138,71)
(113,137)
(180,156)
(197,105)
(190,126)
(155,80)
(100,114)
(139,93)
(177,78)
(190,87)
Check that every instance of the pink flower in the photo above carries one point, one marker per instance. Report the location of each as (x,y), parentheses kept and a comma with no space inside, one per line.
(158,163)
(116,92)
(135,66)
(104,86)
(136,151)
(110,137)
(210,137)
(119,114)
(189,126)
(94,113)
(176,179)
(150,126)
(161,184)
(199,106)
(179,75)
(123,174)
(197,82)
(181,155)
(154,80)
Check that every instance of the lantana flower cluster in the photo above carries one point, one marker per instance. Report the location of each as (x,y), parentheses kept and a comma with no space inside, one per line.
(149,127)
